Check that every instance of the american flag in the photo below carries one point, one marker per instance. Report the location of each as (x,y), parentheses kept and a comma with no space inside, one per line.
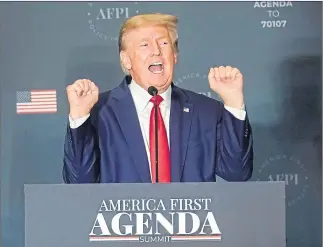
(36,102)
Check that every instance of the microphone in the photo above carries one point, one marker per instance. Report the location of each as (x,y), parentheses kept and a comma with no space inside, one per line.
(153,92)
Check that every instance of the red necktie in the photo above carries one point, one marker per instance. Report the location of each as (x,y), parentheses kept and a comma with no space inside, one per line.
(163,149)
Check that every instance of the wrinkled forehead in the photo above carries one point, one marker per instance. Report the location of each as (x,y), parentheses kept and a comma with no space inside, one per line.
(148,32)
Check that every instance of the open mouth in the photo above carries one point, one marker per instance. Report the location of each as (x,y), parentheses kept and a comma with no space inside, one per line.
(156,68)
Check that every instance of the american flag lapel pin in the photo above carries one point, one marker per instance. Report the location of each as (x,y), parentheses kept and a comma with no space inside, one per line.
(186,109)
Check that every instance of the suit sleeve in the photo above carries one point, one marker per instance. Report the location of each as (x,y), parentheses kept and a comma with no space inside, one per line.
(81,154)
(234,148)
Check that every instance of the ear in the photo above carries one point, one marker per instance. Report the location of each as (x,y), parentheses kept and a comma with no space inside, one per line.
(125,59)
(175,57)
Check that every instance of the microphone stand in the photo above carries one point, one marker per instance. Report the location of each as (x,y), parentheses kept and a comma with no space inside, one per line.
(156,136)
(153,92)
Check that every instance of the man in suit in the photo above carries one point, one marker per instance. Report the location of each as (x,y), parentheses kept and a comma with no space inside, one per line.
(110,136)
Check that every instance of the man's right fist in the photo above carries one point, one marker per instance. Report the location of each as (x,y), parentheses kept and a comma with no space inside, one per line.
(82,96)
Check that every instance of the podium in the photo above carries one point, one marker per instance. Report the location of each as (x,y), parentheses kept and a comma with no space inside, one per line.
(247,214)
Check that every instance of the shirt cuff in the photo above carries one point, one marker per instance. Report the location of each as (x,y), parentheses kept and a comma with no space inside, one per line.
(75,123)
(238,113)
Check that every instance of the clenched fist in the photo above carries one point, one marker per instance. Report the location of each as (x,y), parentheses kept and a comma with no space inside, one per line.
(82,96)
(227,82)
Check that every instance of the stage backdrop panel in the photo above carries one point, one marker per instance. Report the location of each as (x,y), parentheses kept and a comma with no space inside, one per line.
(277,46)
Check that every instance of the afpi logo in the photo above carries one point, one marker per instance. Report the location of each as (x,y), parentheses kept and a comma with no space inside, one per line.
(292,171)
(105,18)
(155,221)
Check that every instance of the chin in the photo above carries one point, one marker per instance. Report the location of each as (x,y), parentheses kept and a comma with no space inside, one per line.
(160,82)
(162,87)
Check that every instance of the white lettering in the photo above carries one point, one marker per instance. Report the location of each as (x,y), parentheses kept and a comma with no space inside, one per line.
(287,178)
(115,224)
(168,226)
(273,24)
(182,223)
(122,12)
(140,223)
(212,224)
(132,205)
(102,225)
(189,204)
(144,222)
(273,13)
(272,4)
(110,13)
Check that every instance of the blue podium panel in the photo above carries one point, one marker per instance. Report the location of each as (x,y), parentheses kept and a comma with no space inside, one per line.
(178,214)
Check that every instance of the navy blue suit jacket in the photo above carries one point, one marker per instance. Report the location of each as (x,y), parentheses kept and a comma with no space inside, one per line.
(205,141)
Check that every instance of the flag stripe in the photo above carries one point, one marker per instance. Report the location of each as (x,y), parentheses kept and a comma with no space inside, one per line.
(43,96)
(37,110)
(43,91)
(36,106)
(37,103)
(43,100)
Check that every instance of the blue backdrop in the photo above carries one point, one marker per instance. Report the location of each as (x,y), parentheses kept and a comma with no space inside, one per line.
(277,46)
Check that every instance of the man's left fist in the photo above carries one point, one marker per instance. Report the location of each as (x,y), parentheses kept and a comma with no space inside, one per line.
(227,82)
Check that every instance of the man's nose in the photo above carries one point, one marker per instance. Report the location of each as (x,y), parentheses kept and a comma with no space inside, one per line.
(155,48)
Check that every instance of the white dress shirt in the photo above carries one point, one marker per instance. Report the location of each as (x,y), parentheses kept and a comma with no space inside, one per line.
(141,100)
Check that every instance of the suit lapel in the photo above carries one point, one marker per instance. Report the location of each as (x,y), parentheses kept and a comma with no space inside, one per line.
(126,114)
(180,125)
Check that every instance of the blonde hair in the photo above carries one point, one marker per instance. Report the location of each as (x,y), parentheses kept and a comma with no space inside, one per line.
(158,19)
